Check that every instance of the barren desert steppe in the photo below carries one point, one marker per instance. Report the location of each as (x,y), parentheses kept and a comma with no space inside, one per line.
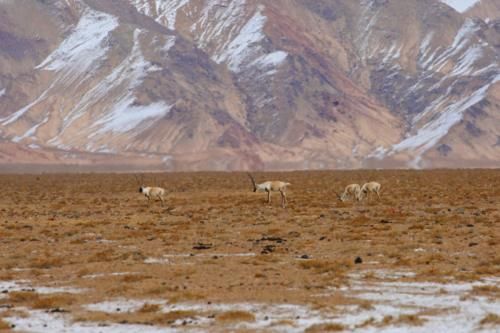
(88,253)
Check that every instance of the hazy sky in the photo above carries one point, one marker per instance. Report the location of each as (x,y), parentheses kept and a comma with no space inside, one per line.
(460,5)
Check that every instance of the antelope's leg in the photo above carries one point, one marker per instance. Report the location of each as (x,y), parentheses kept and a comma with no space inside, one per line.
(268,197)
(378,195)
(283,199)
(162,201)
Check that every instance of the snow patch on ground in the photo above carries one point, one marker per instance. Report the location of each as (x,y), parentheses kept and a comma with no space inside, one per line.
(166,258)
(25,285)
(455,310)
(40,321)
(441,306)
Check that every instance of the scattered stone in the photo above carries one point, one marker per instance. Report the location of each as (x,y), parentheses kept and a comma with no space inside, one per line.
(272,239)
(57,310)
(322,238)
(305,256)
(202,246)
(358,260)
(268,249)
(473,244)
(384,221)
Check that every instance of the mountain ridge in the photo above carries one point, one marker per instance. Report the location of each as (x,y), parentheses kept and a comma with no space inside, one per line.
(248,84)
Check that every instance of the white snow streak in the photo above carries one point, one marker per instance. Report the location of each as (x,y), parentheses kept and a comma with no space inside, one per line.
(218,22)
(434,130)
(245,45)
(31,131)
(123,116)
(81,53)
(163,11)
(18,114)
(78,55)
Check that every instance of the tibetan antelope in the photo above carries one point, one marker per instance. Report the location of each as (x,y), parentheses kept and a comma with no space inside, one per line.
(151,192)
(353,190)
(371,187)
(271,186)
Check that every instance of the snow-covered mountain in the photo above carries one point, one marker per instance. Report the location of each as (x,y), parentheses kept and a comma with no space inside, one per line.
(235,84)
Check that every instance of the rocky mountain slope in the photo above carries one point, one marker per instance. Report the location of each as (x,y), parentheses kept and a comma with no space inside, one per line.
(237,84)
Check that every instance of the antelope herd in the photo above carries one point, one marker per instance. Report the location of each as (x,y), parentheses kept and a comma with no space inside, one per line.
(351,191)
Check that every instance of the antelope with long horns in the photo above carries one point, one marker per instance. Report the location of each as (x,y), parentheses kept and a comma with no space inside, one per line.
(271,186)
(151,192)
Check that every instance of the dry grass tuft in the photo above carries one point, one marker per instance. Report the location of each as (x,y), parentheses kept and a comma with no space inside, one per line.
(235,316)
(23,296)
(332,327)
(169,317)
(4,326)
(53,301)
(491,319)
(148,308)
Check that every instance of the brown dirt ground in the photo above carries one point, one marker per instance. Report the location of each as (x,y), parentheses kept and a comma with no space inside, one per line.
(56,229)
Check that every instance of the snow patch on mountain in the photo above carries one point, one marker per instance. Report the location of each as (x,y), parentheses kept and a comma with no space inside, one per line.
(164,11)
(430,134)
(123,115)
(82,52)
(245,45)
(367,21)
(450,68)
(19,113)
(462,39)
(218,21)
(32,131)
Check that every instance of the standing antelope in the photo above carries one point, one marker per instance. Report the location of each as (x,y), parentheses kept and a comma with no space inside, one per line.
(371,187)
(271,186)
(353,190)
(151,192)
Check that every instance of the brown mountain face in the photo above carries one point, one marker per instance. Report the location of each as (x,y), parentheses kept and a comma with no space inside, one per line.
(249,84)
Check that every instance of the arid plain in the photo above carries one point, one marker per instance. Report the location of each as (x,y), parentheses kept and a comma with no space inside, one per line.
(87,253)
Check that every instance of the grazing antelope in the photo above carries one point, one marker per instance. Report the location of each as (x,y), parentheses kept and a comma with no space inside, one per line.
(271,186)
(371,187)
(353,190)
(151,192)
